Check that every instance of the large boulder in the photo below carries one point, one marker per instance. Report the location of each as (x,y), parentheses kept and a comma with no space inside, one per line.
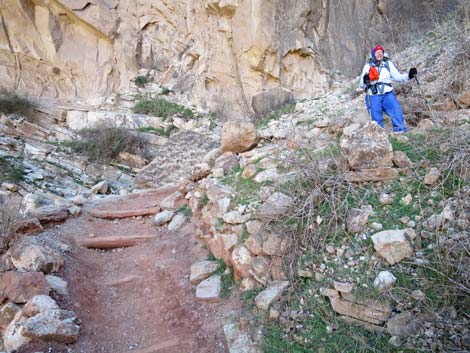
(40,320)
(29,255)
(238,136)
(19,287)
(367,148)
(270,100)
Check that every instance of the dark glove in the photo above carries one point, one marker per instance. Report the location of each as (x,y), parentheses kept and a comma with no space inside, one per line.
(366,79)
(413,72)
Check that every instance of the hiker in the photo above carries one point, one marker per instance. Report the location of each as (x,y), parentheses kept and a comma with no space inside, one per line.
(376,79)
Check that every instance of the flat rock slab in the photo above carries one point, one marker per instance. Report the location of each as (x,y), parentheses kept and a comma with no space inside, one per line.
(209,289)
(50,214)
(202,270)
(376,174)
(264,299)
(371,311)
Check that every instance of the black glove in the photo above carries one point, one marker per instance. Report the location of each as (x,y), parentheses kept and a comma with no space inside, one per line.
(366,79)
(413,72)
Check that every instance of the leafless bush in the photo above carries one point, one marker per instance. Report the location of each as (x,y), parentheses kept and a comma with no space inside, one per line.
(322,198)
(9,215)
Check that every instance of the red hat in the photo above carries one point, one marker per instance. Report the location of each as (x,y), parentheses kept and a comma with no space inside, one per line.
(379,47)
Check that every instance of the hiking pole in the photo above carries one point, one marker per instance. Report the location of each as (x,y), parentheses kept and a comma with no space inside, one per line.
(422,95)
(368,102)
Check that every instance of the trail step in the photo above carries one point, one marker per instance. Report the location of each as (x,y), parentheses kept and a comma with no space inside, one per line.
(113,242)
(125,213)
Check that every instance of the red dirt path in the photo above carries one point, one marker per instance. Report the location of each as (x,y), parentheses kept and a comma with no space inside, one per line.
(137,299)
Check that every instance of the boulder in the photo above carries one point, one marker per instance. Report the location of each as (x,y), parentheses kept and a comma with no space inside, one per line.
(7,313)
(239,340)
(264,299)
(241,259)
(272,99)
(28,226)
(235,217)
(238,136)
(177,222)
(369,311)
(50,213)
(57,284)
(277,204)
(52,325)
(163,217)
(357,219)
(209,290)
(29,255)
(132,160)
(227,162)
(275,244)
(393,245)
(202,270)
(401,160)
(384,280)
(40,320)
(200,171)
(367,148)
(101,188)
(19,287)
(222,244)
(432,176)
(403,325)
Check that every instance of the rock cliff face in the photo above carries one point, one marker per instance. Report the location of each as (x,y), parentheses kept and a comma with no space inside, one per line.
(221,53)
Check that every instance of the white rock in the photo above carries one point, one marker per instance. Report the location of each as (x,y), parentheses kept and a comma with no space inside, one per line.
(264,299)
(202,270)
(235,217)
(384,280)
(209,289)
(57,284)
(163,217)
(177,222)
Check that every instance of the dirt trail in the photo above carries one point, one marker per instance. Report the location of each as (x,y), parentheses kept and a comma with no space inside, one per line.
(137,299)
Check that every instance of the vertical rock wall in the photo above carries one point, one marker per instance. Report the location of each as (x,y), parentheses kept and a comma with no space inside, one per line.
(221,53)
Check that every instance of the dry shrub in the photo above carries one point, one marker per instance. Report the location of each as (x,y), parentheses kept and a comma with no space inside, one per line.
(9,215)
(105,143)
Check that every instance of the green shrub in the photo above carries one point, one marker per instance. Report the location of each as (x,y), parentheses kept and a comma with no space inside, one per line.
(140,81)
(10,171)
(104,144)
(185,210)
(13,104)
(157,131)
(161,107)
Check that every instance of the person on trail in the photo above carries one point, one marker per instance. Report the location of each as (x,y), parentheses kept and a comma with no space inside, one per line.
(376,79)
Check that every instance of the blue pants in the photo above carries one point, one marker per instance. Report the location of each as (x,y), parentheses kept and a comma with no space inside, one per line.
(388,103)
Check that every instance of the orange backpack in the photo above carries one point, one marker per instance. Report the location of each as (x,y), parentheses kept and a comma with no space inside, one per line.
(373,73)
